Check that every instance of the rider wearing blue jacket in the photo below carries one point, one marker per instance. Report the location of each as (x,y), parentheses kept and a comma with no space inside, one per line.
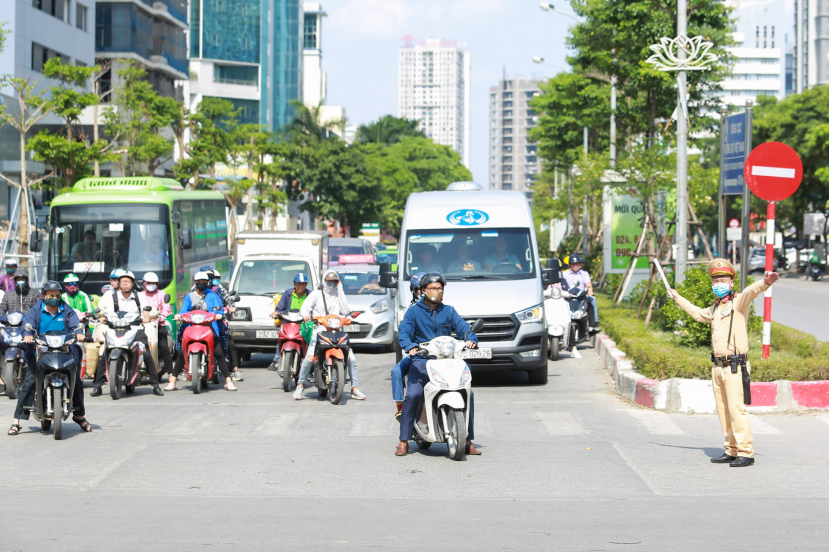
(423,322)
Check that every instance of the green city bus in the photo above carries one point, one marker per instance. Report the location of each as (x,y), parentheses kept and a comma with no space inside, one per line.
(143,224)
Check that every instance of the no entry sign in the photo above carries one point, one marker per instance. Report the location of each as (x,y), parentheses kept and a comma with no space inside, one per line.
(773,171)
(733,223)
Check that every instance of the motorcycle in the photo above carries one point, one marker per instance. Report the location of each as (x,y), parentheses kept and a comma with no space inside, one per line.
(197,347)
(14,366)
(331,357)
(124,355)
(558,317)
(292,348)
(815,271)
(445,414)
(56,378)
(579,330)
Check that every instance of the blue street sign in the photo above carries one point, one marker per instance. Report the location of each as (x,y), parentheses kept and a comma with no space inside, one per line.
(734,154)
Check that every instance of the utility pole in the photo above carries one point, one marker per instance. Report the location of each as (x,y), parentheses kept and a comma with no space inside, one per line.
(746,206)
(681,155)
(613,121)
(585,247)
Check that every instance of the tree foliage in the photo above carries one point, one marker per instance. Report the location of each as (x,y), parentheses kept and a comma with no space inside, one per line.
(387,130)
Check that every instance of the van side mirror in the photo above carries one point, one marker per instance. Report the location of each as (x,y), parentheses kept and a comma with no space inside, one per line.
(388,277)
(166,297)
(36,241)
(186,238)
(552,274)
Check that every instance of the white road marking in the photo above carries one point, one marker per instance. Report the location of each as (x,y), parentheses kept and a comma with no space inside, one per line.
(561,423)
(373,424)
(779,172)
(656,423)
(824,418)
(760,427)
(277,425)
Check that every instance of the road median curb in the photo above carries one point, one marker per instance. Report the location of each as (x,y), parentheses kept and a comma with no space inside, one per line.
(695,396)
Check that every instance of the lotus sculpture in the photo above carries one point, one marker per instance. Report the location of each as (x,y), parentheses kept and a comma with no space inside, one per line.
(697,57)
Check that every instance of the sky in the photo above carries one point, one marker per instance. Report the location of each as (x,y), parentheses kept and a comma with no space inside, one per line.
(361,39)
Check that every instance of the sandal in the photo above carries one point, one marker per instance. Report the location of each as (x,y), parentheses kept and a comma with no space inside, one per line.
(15,429)
(85,426)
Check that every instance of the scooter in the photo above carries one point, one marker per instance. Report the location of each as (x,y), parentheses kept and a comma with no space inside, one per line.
(197,347)
(292,348)
(55,380)
(557,315)
(445,414)
(124,355)
(331,357)
(579,330)
(14,366)
(815,271)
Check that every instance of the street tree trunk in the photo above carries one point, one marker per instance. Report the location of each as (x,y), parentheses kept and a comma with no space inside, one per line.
(23,226)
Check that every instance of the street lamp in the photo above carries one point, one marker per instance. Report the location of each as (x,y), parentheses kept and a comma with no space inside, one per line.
(540,60)
(547,6)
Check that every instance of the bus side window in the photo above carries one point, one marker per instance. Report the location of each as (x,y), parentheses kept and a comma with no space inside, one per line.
(221,227)
(200,225)
(186,210)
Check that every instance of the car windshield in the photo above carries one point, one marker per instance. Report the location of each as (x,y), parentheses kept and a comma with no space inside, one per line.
(268,276)
(335,251)
(361,283)
(483,254)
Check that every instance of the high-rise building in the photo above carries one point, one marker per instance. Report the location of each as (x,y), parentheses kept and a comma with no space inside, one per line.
(513,158)
(314,79)
(811,44)
(250,53)
(433,87)
(760,65)
(154,34)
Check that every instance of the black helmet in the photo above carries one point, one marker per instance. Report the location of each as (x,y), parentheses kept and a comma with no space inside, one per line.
(414,283)
(20,273)
(51,285)
(431,278)
(576,258)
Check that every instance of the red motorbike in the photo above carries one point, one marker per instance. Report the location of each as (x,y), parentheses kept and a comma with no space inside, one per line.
(197,347)
(292,348)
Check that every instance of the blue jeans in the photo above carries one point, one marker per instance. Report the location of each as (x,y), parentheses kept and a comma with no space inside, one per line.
(276,356)
(400,371)
(592,302)
(418,378)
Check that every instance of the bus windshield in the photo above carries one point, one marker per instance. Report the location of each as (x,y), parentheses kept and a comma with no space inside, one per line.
(268,276)
(95,239)
(483,254)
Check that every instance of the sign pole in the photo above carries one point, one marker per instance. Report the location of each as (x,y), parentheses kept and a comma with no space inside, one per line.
(746,207)
(769,268)
(721,252)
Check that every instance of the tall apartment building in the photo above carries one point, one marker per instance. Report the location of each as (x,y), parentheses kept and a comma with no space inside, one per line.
(513,158)
(39,30)
(152,33)
(250,53)
(760,65)
(811,51)
(314,79)
(433,87)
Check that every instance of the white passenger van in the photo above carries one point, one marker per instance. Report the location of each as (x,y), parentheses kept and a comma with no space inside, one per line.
(484,243)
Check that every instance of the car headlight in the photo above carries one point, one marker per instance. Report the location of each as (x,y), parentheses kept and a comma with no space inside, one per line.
(446,349)
(531,315)
(239,314)
(334,323)
(380,306)
(197,318)
(437,378)
(466,377)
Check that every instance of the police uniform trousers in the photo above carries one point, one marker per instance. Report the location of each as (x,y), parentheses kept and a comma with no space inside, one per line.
(413,403)
(731,408)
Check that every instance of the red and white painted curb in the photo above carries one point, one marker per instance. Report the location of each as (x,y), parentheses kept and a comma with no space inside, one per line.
(695,396)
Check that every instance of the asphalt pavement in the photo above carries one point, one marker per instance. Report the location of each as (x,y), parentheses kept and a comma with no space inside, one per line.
(799,303)
(565,466)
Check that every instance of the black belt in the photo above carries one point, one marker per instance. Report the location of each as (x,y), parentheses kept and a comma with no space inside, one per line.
(724,360)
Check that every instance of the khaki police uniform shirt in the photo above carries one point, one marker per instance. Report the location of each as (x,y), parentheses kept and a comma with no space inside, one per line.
(720,316)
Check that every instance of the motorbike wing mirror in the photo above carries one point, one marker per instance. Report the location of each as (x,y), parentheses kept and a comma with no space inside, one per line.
(147,309)
(235,299)
(225,285)
(388,277)
(28,327)
(478,325)
(166,297)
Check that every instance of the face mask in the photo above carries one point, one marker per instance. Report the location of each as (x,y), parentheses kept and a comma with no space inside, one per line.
(721,290)
(22,287)
(330,286)
(201,287)
(215,282)
(151,287)
(10,271)
(433,296)
(52,301)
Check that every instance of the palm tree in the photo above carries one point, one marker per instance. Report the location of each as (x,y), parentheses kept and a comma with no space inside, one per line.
(308,127)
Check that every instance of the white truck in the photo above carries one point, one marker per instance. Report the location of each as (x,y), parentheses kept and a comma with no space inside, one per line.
(265,265)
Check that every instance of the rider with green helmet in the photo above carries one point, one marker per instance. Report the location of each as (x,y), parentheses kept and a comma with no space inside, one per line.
(73,295)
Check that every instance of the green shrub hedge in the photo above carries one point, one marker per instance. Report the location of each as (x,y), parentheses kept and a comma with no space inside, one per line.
(661,354)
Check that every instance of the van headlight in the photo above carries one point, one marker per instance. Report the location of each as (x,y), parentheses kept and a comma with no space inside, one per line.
(531,315)
(380,306)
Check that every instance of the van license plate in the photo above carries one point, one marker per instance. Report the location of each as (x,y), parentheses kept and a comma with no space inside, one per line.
(351,328)
(267,334)
(474,353)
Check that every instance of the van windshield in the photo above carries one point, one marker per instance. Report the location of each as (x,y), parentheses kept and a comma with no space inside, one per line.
(268,276)
(482,254)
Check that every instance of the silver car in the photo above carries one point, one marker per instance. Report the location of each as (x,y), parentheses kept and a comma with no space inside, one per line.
(757,260)
(375,323)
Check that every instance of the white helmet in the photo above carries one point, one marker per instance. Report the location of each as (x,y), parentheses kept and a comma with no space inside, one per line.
(150,278)
(216,275)
(201,276)
(127,274)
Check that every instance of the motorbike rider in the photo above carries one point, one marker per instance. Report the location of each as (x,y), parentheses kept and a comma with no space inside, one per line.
(575,276)
(7,279)
(215,284)
(22,298)
(155,299)
(127,300)
(292,299)
(423,322)
(328,300)
(48,314)
(401,369)
(202,298)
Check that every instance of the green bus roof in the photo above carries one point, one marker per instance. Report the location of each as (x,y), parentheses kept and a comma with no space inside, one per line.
(138,189)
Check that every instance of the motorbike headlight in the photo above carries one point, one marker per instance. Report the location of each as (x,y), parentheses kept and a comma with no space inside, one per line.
(466,377)
(54,341)
(446,349)
(380,306)
(334,323)
(555,293)
(14,318)
(197,319)
(577,315)
(112,340)
(437,378)
(531,315)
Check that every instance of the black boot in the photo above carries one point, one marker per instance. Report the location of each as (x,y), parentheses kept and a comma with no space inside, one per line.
(96,392)
(157,391)
(724,459)
(741,462)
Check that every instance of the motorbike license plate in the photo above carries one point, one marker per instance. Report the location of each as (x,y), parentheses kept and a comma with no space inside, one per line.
(267,334)
(351,328)
(474,353)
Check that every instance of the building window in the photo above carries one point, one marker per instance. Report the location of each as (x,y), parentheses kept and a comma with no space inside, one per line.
(506,186)
(247,75)
(57,8)
(42,54)
(507,122)
(532,159)
(532,149)
(80,17)
(507,140)
(506,149)
(507,104)
(757,37)
(506,159)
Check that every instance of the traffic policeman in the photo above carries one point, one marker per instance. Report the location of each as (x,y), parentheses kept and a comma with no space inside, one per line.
(729,341)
